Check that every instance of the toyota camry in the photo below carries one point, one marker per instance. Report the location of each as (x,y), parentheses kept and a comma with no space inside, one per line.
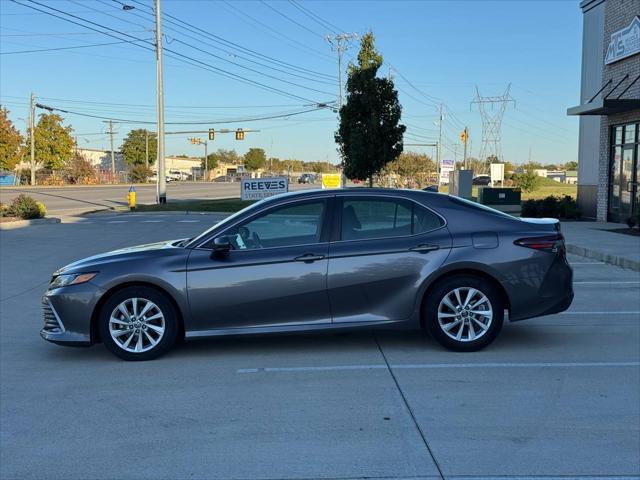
(317,261)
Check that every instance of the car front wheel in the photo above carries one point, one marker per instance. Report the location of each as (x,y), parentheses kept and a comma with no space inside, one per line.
(464,313)
(138,323)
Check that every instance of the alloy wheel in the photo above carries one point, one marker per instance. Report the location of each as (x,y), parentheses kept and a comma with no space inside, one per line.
(465,314)
(137,325)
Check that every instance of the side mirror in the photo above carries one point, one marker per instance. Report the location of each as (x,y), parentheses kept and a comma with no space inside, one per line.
(221,245)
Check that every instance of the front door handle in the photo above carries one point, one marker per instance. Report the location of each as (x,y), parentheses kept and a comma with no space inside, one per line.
(308,258)
(423,248)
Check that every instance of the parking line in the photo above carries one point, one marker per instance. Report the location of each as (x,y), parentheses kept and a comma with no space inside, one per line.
(188,221)
(627,312)
(435,366)
(152,221)
(118,221)
(586,263)
(604,282)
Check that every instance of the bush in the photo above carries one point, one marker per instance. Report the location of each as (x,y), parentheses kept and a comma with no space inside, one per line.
(140,173)
(42,209)
(527,181)
(26,208)
(552,206)
(5,210)
(631,222)
(79,170)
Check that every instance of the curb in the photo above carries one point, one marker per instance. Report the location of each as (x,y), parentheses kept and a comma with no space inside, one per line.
(604,257)
(27,223)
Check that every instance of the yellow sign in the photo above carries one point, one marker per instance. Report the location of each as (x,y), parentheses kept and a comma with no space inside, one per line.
(331,180)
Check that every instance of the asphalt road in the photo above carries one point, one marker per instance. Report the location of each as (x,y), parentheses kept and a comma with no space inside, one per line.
(71,200)
(557,396)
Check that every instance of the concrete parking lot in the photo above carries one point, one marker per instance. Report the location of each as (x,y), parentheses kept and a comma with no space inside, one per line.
(557,396)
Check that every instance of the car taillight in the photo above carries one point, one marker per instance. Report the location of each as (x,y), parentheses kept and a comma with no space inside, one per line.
(548,243)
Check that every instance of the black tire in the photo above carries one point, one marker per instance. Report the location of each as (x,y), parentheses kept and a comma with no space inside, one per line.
(165,306)
(436,296)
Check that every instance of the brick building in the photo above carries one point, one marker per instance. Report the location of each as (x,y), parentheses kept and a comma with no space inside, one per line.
(609,110)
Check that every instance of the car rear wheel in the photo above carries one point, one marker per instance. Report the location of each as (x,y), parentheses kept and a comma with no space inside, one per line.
(464,313)
(138,323)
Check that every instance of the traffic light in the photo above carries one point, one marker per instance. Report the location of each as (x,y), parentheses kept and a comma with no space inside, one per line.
(194,141)
(464,136)
(239,134)
(212,134)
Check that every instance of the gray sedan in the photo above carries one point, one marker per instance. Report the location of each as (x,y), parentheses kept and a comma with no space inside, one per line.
(319,260)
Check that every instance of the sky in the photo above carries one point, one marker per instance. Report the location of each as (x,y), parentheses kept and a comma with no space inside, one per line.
(229,62)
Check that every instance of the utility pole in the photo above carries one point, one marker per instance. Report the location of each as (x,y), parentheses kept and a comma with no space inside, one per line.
(339,43)
(146,147)
(439,150)
(206,162)
(32,113)
(162,181)
(113,155)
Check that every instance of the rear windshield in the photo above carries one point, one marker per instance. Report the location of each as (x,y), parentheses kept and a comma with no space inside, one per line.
(479,206)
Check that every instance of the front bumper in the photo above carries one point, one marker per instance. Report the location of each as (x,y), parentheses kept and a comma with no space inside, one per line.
(67,313)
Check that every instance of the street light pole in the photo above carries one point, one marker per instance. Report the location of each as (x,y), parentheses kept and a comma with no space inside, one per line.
(146,147)
(162,181)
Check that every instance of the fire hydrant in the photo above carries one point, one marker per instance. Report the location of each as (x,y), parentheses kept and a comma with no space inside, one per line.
(131,196)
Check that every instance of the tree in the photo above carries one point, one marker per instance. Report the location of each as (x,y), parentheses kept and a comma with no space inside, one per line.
(79,170)
(10,142)
(414,169)
(134,147)
(529,180)
(222,156)
(53,142)
(255,159)
(369,135)
(571,166)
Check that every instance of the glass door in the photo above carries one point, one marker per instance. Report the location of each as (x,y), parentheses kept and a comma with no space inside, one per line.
(627,178)
(624,174)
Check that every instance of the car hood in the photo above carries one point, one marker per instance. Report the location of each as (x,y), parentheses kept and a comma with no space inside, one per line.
(122,254)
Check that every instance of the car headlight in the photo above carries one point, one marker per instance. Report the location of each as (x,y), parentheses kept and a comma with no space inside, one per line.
(71,279)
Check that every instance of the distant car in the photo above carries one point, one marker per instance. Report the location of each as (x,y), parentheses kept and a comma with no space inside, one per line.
(482,180)
(307,178)
(319,260)
(431,188)
(178,175)
(154,178)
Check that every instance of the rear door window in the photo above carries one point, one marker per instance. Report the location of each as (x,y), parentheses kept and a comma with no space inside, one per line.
(368,218)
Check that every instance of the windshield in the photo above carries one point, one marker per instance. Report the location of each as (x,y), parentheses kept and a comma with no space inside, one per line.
(225,221)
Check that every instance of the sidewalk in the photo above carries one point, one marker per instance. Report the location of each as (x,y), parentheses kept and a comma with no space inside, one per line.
(592,240)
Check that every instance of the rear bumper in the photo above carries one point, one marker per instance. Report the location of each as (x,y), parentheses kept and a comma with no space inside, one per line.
(554,294)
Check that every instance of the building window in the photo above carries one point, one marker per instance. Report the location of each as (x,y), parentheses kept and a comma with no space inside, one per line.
(624,191)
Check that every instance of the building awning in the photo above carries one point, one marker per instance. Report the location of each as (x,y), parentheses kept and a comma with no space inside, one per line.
(606,106)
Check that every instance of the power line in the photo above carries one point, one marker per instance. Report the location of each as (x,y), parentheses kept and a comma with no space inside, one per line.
(316,18)
(209,122)
(69,48)
(291,19)
(177,55)
(244,15)
(198,31)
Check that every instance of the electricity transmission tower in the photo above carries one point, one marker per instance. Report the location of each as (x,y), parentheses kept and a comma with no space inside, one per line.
(492,122)
(340,43)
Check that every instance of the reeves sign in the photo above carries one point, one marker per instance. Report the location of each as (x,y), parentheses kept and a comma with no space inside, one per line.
(259,188)
(624,43)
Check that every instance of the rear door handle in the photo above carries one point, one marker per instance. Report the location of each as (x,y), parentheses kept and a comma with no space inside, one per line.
(308,258)
(423,248)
